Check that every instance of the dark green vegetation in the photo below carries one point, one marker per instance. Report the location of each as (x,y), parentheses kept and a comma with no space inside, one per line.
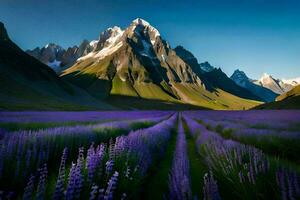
(132,103)
(198,167)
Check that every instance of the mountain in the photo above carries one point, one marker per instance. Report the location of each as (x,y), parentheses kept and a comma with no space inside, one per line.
(213,77)
(241,79)
(276,85)
(295,91)
(291,82)
(59,58)
(288,100)
(26,83)
(206,67)
(137,63)
(219,79)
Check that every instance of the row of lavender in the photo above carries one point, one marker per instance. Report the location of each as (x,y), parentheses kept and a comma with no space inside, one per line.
(278,135)
(273,119)
(88,116)
(107,171)
(22,152)
(241,171)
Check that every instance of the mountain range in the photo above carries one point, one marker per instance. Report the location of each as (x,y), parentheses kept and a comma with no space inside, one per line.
(131,68)
(26,83)
(137,62)
(276,85)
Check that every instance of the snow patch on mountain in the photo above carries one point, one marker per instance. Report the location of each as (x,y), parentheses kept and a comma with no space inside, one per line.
(110,43)
(206,67)
(94,43)
(293,82)
(55,65)
(146,24)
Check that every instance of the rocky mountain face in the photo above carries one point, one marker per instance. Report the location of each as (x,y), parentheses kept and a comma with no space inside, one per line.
(213,77)
(59,58)
(276,85)
(137,62)
(26,83)
(206,67)
(3,32)
(241,79)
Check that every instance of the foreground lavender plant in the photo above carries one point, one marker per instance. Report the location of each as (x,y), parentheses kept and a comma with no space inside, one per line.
(111,186)
(179,181)
(28,191)
(59,188)
(42,183)
(210,188)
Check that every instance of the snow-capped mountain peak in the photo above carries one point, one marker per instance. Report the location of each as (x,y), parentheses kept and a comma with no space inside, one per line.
(241,79)
(265,76)
(239,76)
(109,41)
(273,84)
(206,67)
(94,43)
(141,21)
(146,28)
(109,36)
(293,82)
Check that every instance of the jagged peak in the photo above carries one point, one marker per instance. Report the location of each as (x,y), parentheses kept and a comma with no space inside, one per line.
(239,72)
(52,46)
(3,32)
(111,34)
(206,66)
(265,75)
(141,22)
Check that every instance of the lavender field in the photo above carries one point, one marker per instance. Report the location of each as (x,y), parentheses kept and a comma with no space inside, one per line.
(208,155)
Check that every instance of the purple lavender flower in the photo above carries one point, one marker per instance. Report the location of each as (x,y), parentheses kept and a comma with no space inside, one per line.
(59,188)
(29,189)
(111,186)
(42,182)
(179,181)
(71,183)
(210,188)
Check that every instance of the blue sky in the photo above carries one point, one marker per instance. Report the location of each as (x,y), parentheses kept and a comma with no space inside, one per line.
(256,36)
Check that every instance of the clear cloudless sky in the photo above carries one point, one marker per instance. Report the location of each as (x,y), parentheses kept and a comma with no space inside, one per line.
(255,36)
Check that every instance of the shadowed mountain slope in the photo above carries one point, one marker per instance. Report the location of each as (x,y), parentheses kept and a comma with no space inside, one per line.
(26,83)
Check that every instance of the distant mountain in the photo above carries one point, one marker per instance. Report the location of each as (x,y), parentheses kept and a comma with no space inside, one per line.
(26,83)
(241,79)
(206,67)
(295,91)
(213,77)
(59,58)
(220,80)
(293,82)
(138,63)
(288,100)
(276,85)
